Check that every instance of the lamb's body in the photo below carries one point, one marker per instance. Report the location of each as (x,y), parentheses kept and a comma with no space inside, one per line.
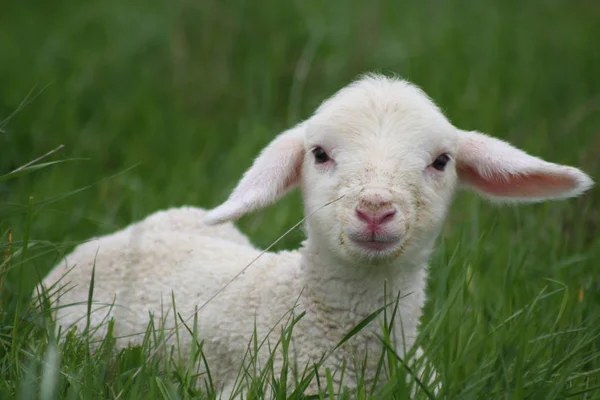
(378,165)
(191,264)
(184,219)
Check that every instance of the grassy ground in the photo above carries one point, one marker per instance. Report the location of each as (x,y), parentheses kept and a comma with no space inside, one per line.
(162,103)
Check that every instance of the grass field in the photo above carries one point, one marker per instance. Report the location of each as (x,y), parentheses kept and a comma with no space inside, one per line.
(162,103)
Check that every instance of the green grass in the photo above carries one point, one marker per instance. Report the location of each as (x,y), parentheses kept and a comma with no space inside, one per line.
(163,103)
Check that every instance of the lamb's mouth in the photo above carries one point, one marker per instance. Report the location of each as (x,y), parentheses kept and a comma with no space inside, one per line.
(373,243)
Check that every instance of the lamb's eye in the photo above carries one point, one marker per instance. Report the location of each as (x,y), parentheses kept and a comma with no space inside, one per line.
(320,155)
(440,162)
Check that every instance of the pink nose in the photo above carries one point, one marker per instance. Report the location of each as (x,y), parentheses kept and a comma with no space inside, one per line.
(375,218)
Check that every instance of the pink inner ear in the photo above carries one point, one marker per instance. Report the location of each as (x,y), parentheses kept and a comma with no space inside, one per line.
(533,184)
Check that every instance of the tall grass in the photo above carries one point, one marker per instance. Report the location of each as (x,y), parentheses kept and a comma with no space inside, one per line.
(162,103)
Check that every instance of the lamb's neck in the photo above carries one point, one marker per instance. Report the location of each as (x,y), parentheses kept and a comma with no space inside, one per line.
(335,283)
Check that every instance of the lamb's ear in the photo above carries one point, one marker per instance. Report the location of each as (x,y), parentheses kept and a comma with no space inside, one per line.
(502,172)
(276,170)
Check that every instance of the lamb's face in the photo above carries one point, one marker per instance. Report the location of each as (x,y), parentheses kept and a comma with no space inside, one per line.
(390,153)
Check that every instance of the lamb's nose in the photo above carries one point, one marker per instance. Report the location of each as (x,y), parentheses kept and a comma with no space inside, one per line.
(375,218)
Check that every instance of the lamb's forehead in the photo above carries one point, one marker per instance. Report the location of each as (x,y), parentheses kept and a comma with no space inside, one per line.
(377,104)
(378,91)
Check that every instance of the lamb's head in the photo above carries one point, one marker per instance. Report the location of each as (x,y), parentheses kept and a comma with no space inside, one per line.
(388,161)
(388,150)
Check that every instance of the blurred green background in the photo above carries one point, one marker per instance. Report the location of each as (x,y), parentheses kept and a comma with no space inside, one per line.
(187,92)
(168,101)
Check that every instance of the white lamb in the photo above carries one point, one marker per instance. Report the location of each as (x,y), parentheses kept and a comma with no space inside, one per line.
(385,162)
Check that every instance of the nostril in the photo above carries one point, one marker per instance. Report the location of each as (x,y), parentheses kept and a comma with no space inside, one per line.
(363,215)
(384,216)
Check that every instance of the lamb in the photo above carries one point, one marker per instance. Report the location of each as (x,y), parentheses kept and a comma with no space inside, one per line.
(377,164)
